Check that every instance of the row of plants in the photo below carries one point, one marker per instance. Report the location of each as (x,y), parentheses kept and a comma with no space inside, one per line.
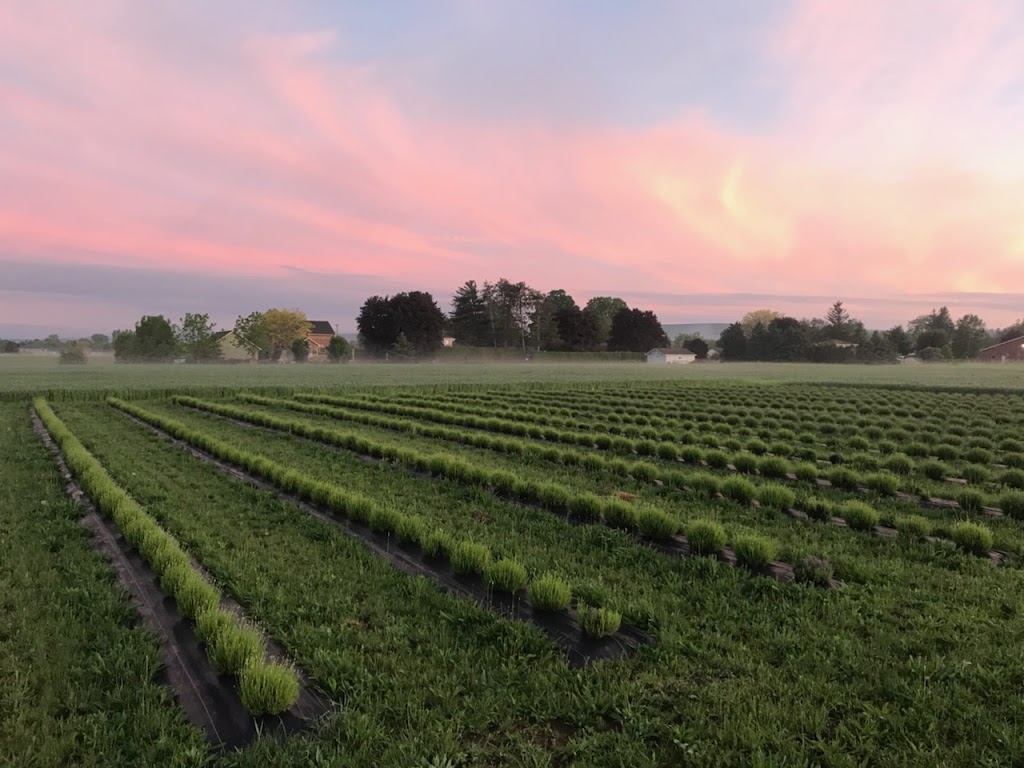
(741,490)
(467,557)
(895,476)
(266,686)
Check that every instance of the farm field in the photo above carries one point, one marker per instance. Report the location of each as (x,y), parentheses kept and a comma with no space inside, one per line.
(610,565)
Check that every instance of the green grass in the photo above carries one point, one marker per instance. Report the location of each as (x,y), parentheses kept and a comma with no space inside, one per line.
(550,593)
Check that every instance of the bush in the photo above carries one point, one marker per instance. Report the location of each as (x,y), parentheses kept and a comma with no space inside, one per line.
(933,470)
(887,447)
(705,484)
(971,500)
(656,524)
(845,479)
(978,456)
(948,452)
(776,496)
(813,570)
(738,489)
(505,575)
(975,473)
(470,557)
(899,463)
(268,688)
(1012,504)
(745,462)
(919,450)
(211,622)
(806,471)
(195,596)
(774,467)
(780,448)
(553,496)
(882,483)
(757,447)
(716,459)
(914,526)
(865,461)
(437,543)
(410,528)
(668,451)
(1012,478)
(620,514)
(550,593)
(754,552)
(234,647)
(971,537)
(1015,460)
(859,516)
(705,537)
(585,506)
(691,454)
(598,622)
(817,508)
(858,443)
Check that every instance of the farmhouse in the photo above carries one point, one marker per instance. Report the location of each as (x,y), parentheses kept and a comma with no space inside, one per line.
(320,335)
(671,356)
(234,348)
(1007,351)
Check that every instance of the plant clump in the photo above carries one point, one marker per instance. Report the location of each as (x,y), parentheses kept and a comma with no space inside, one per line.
(268,688)
(755,552)
(656,523)
(470,557)
(914,526)
(813,570)
(705,537)
(739,490)
(882,483)
(505,575)
(776,496)
(1012,504)
(598,622)
(971,537)
(859,516)
(550,593)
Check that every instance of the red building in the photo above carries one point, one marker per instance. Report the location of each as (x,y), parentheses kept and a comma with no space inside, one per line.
(320,334)
(1011,351)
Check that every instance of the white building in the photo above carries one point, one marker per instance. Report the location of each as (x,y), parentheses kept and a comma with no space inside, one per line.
(671,356)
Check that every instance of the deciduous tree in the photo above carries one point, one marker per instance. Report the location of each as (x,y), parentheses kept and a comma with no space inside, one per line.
(196,337)
(634,330)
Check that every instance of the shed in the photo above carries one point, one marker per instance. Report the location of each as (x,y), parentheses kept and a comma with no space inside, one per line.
(1004,352)
(671,356)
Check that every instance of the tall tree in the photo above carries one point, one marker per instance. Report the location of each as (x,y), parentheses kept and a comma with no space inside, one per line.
(942,320)
(195,336)
(469,322)
(578,329)
(732,344)
(284,327)
(699,347)
(751,319)
(1013,332)
(785,340)
(338,349)
(604,308)
(837,322)
(420,319)
(544,325)
(634,330)
(99,341)
(510,310)
(900,340)
(251,330)
(969,337)
(760,342)
(152,341)
(377,325)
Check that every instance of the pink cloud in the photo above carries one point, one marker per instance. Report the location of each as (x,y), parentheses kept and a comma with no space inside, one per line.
(887,173)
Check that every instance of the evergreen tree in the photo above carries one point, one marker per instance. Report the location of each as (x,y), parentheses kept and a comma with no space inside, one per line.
(338,349)
(732,344)
(469,322)
(837,322)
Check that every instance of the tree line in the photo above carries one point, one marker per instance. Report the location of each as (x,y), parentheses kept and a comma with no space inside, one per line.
(765,335)
(506,315)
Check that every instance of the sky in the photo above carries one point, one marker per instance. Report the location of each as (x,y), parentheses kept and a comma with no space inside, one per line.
(698,159)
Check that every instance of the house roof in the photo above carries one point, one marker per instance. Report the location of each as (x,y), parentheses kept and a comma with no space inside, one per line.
(1018,340)
(321,327)
(220,335)
(672,351)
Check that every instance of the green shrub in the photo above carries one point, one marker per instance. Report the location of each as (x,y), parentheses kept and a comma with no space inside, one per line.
(656,524)
(975,473)
(410,528)
(806,472)
(865,461)
(705,537)
(899,463)
(948,452)
(598,622)
(971,537)
(1011,445)
(644,471)
(668,451)
(585,506)
(437,543)
(757,447)
(858,443)
(738,489)
(1012,478)
(234,647)
(268,688)
(705,484)
(813,570)
(776,496)
(970,500)
(384,519)
(691,454)
(1012,504)
(858,515)
(844,479)
(195,596)
(553,496)
(469,557)
(978,456)
(211,622)
(780,448)
(817,508)
(505,575)
(755,552)
(919,450)
(745,462)
(774,467)
(933,470)
(1015,460)
(620,514)
(550,593)
(882,483)
(716,459)
(887,447)
(915,526)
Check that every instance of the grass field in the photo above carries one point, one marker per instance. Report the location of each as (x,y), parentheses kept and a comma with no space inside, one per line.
(708,512)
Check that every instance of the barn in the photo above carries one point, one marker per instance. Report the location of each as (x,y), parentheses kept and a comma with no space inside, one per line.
(1006,352)
(670,356)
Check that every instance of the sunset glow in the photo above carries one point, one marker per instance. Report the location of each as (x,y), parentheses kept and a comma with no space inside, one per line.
(170,158)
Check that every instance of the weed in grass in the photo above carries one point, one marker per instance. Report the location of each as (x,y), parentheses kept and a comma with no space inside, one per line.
(775,496)
(505,575)
(598,622)
(470,557)
(914,526)
(813,570)
(1012,504)
(235,646)
(656,523)
(858,515)
(550,593)
(705,537)
(971,537)
(755,552)
(268,688)
(739,490)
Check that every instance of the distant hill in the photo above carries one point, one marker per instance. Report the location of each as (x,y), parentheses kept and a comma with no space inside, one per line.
(707,331)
